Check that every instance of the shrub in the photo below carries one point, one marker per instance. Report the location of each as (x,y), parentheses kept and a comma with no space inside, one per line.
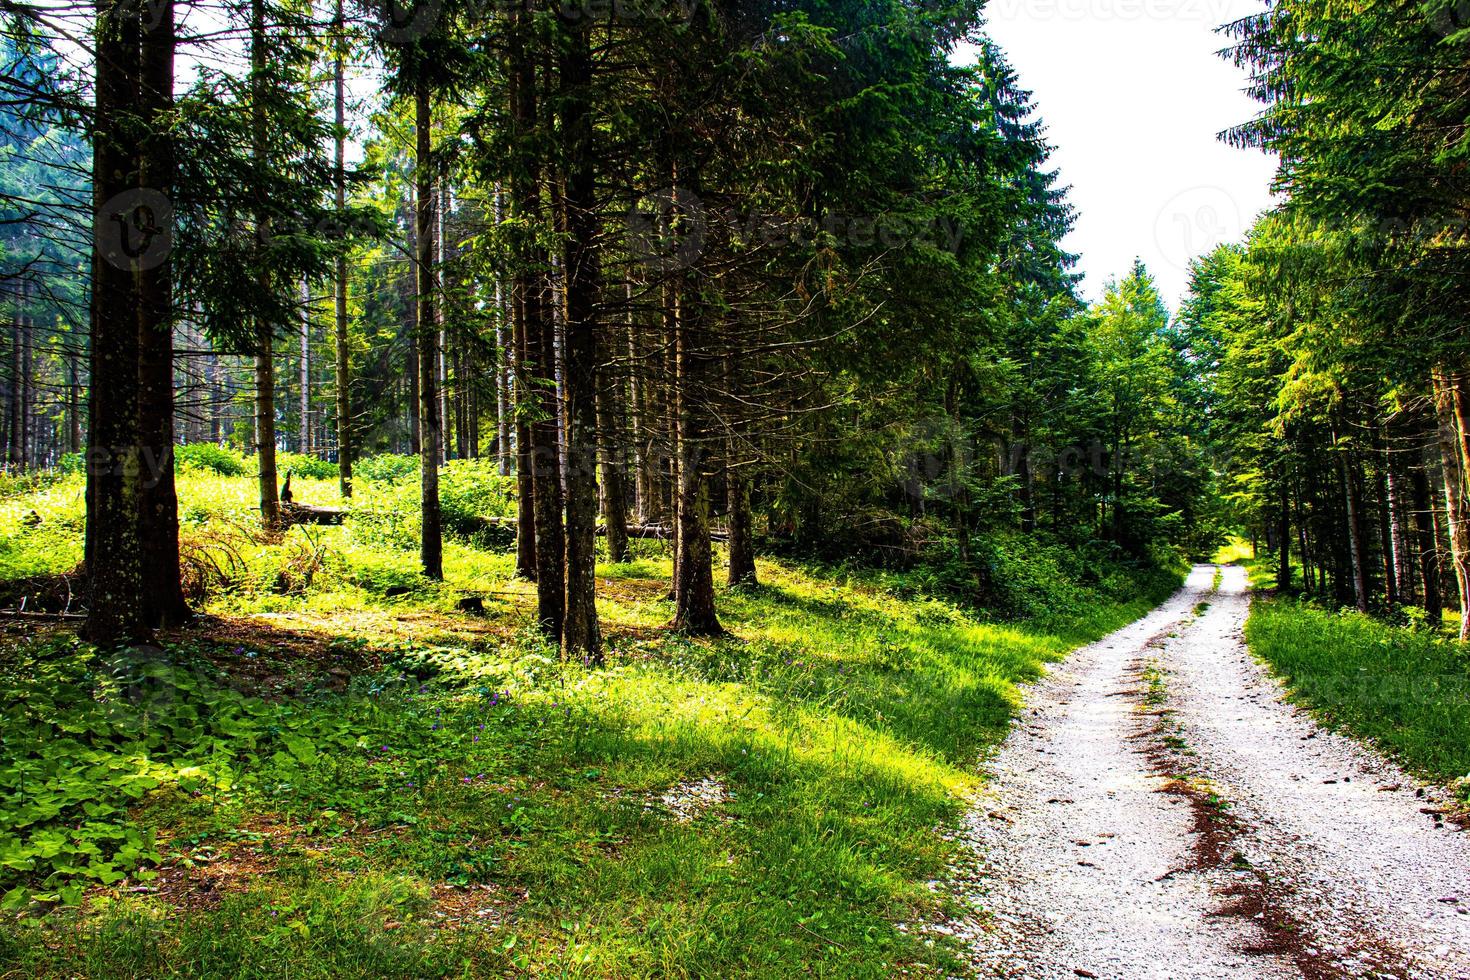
(470,489)
(208,456)
(308,467)
(385,468)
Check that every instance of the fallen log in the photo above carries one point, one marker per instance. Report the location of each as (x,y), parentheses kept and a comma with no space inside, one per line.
(294,513)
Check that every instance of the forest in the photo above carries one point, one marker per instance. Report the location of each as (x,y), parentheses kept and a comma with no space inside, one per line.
(528,488)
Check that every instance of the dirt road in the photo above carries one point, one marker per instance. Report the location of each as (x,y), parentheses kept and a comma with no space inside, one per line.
(1160,811)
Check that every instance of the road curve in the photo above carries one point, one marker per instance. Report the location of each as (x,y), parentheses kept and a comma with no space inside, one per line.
(1160,811)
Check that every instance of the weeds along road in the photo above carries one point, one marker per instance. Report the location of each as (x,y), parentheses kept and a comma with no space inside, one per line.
(1160,811)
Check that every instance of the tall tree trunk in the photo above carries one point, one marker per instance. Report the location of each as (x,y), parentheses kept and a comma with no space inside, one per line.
(446,407)
(1283,535)
(265,376)
(158,531)
(339,280)
(431,541)
(303,435)
(1352,505)
(737,485)
(611,410)
(581,637)
(541,403)
(646,503)
(115,612)
(1453,463)
(525,460)
(1423,512)
(694,591)
(1398,531)
(504,358)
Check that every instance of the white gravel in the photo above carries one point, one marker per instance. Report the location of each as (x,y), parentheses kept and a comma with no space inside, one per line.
(1092,863)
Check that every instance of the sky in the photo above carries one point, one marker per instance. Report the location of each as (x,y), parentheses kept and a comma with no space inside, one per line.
(1133,97)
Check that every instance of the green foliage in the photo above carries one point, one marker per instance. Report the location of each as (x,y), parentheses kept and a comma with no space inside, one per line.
(1405,689)
(206,456)
(842,719)
(311,467)
(385,468)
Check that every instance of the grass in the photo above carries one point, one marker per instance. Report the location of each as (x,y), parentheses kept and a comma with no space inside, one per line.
(1234,551)
(323,781)
(1405,689)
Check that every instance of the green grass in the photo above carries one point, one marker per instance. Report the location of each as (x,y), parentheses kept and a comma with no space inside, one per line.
(1236,550)
(1406,690)
(323,781)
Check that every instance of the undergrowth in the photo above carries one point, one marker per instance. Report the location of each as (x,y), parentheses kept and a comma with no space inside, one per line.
(326,779)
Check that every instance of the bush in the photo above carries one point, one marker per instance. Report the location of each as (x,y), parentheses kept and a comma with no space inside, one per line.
(208,456)
(308,467)
(470,489)
(385,468)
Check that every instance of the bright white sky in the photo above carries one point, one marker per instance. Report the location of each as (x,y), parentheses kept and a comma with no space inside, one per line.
(1133,97)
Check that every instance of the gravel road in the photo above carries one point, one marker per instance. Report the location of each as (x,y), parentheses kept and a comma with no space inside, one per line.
(1160,811)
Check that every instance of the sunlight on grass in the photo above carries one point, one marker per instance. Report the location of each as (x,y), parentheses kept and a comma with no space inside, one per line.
(1236,550)
(459,799)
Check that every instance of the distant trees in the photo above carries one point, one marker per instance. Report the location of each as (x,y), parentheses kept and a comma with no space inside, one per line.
(588,243)
(1344,318)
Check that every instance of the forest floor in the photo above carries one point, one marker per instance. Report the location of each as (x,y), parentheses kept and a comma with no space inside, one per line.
(336,773)
(1163,810)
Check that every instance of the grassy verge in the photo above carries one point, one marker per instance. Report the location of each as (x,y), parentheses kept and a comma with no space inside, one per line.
(1405,690)
(321,781)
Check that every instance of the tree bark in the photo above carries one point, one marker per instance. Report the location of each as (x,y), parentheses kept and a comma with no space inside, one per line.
(1283,535)
(303,435)
(431,541)
(265,377)
(1453,465)
(581,637)
(1423,512)
(339,284)
(694,591)
(114,464)
(504,357)
(539,405)
(610,432)
(1353,507)
(158,530)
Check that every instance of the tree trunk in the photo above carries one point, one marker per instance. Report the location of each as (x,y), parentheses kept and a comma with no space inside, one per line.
(610,431)
(581,638)
(525,460)
(1423,511)
(742,544)
(539,402)
(339,284)
(1453,464)
(446,402)
(1357,557)
(303,435)
(114,464)
(158,529)
(265,377)
(1398,533)
(694,591)
(431,543)
(504,357)
(1283,535)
